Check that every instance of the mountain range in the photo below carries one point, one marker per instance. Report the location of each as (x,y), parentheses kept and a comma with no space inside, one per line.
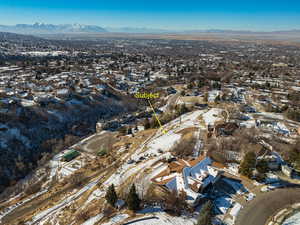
(51,31)
(41,28)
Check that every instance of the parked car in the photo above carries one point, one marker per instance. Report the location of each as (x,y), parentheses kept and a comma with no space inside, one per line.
(130,161)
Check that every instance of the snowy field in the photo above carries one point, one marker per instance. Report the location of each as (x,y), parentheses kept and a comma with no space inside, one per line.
(150,216)
(117,219)
(162,218)
(212,116)
(159,144)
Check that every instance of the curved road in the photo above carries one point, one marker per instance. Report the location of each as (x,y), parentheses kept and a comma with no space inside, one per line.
(258,211)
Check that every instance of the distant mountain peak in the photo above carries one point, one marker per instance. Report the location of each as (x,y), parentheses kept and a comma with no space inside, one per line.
(42,28)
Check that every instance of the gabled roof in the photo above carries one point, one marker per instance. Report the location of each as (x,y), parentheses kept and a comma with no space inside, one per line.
(200,169)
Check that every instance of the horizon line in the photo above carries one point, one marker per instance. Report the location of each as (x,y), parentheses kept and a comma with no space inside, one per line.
(160,28)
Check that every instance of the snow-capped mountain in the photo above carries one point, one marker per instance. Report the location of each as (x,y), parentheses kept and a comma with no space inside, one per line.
(41,28)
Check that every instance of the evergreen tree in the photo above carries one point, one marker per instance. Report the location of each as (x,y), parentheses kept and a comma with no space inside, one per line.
(133,201)
(248,164)
(205,214)
(111,195)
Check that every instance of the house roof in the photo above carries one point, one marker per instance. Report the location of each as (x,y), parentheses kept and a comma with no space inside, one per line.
(218,165)
(189,176)
(178,166)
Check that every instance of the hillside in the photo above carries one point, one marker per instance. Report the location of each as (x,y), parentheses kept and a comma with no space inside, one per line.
(32,131)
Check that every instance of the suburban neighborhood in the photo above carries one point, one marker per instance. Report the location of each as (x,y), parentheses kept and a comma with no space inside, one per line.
(83,143)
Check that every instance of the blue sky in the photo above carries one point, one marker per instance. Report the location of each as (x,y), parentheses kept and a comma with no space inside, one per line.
(167,14)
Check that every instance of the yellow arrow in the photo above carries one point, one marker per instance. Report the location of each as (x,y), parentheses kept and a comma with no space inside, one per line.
(156,117)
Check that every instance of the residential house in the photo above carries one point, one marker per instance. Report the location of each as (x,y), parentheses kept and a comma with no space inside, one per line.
(192,177)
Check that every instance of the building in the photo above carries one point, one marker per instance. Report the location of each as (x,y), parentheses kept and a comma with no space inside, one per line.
(192,177)
(70,155)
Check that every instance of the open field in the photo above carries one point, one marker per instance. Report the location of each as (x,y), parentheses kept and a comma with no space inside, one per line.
(288,38)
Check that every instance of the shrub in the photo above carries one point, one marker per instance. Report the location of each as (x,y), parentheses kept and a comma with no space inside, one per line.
(122,130)
(293,114)
(82,216)
(33,188)
(102,152)
(147,124)
(108,211)
(184,147)
(76,179)
(175,202)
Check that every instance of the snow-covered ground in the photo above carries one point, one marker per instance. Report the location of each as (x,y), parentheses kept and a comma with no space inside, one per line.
(27,103)
(96,194)
(117,219)
(212,116)
(45,53)
(162,218)
(271,178)
(127,171)
(13,207)
(164,143)
(155,216)
(151,146)
(235,210)
(54,163)
(48,212)
(93,220)
(199,144)
(70,168)
(232,168)
(212,95)
(293,220)
(159,141)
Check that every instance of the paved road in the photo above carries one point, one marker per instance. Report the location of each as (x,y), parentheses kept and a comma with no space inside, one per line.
(258,211)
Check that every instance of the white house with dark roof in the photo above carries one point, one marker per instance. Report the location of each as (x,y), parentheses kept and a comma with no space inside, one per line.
(190,177)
